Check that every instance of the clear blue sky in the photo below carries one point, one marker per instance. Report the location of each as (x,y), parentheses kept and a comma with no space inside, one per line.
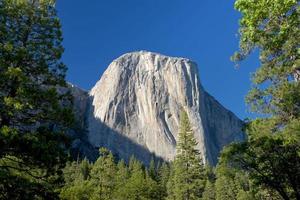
(205,31)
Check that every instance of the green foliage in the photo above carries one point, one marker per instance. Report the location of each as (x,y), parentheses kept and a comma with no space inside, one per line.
(187,180)
(270,161)
(77,171)
(77,184)
(33,113)
(163,178)
(121,178)
(152,170)
(270,156)
(107,180)
(273,28)
(137,185)
(209,190)
(81,190)
(233,184)
(102,175)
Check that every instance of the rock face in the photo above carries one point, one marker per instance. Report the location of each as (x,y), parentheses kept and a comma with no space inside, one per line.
(81,147)
(134,109)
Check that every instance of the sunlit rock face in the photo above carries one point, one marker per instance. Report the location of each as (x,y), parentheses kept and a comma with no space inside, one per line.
(134,109)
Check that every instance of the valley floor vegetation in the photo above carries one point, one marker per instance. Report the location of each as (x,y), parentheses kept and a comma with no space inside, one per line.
(35,116)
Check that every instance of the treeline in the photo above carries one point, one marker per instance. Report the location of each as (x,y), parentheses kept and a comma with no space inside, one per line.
(184,178)
(108,179)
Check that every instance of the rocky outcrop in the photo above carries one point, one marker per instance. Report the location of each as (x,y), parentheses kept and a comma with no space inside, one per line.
(134,109)
(81,147)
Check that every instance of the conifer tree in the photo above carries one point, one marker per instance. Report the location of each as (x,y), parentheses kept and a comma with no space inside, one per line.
(152,170)
(188,176)
(153,188)
(121,177)
(135,187)
(170,184)
(163,178)
(33,113)
(77,183)
(103,175)
(85,169)
(225,188)
(209,190)
(78,190)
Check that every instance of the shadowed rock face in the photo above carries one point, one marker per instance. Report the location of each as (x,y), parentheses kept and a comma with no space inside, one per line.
(81,146)
(134,109)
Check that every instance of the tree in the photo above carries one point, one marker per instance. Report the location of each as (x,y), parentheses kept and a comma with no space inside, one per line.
(271,161)
(232,183)
(33,113)
(103,175)
(163,178)
(170,184)
(272,27)
(152,171)
(188,177)
(156,187)
(121,177)
(136,187)
(209,190)
(81,190)
(74,171)
(225,186)
(77,181)
(85,169)
(105,180)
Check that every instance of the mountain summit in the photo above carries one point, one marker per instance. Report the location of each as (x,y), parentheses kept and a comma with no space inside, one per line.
(134,109)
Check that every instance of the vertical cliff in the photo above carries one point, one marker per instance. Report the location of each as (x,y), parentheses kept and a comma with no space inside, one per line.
(134,108)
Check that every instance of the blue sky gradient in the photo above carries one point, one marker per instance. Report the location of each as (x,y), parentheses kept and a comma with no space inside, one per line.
(205,31)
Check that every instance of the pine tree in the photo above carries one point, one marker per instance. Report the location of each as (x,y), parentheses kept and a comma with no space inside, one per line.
(71,173)
(225,189)
(33,113)
(163,178)
(188,177)
(77,182)
(155,188)
(209,190)
(135,187)
(103,175)
(121,177)
(170,184)
(85,169)
(152,170)
(78,190)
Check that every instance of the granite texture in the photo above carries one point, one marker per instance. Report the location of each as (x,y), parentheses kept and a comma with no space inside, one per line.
(134,109)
